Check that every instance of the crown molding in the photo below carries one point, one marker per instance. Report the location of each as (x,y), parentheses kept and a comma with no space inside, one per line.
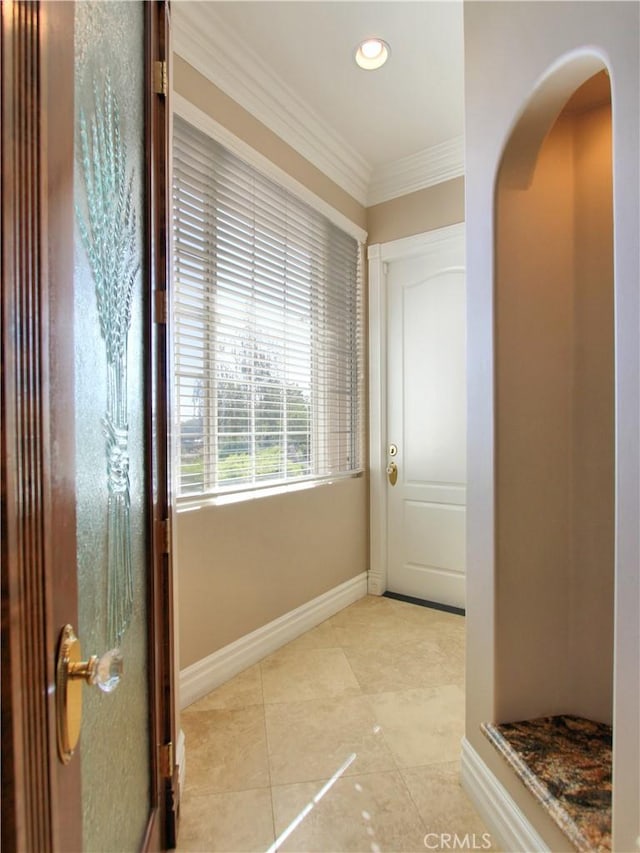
(428,167)
(202,39)
(207,43)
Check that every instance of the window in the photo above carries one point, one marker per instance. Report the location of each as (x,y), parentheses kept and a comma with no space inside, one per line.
(268,328)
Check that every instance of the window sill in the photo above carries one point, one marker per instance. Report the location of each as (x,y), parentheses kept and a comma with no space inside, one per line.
(190,503)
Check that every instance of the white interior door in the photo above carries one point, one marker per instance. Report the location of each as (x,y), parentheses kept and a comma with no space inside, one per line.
(426,423)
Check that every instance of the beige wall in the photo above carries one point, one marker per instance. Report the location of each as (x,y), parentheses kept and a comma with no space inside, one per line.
(534,318)
(593,496)
(510,49)
(424,210)
(554,429)
(241,565)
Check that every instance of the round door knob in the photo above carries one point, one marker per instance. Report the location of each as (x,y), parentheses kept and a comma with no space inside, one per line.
(103,672)
(107,671)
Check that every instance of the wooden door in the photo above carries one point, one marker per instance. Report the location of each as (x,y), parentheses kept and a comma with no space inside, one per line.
(426,423)
(85,488)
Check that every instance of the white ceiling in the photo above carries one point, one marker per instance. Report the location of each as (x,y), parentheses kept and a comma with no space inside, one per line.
(413,102)
(380,118)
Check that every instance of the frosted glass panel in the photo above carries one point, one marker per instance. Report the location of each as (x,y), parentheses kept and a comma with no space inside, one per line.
(108,332)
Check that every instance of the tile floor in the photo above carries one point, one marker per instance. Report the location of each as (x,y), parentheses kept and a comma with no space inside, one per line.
(346,739)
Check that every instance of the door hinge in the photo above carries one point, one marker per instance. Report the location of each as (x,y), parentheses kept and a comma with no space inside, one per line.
(165,759)
(162,535)
(160,78)
(160,306)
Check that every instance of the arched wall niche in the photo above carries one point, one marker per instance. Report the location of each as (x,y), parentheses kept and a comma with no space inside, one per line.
(539,114)
(554,375)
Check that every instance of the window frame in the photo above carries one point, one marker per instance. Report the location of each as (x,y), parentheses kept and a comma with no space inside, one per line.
(248,491)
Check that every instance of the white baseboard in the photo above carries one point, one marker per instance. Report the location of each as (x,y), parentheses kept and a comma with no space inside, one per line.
(205,675)
(376,583)
(510,828)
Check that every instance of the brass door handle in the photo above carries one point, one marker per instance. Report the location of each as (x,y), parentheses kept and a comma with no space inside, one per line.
(103,672)
(392,473)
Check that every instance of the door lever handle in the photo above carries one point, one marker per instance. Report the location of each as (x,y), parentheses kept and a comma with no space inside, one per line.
(103,672)
(392,473)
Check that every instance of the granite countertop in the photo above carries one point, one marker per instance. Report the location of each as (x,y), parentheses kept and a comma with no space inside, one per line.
(565,762)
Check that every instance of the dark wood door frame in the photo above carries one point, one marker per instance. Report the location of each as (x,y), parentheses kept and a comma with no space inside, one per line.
(40,797)
(160,602)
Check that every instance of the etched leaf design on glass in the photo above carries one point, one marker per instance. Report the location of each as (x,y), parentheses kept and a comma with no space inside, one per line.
(108,232)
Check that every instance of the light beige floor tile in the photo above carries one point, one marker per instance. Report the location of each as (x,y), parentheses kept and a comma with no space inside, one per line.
(298,674)
(444,806)
(368,607)
(228,823)
(375,625)
(405,666)
(418,613)
(435,623)
(451,636)
(242,691)
(323,636)
(226,750)
(231,763)
(311,740)
(371,813)
(421,726)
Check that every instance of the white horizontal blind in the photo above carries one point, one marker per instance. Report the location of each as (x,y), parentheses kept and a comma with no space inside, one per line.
(267,328)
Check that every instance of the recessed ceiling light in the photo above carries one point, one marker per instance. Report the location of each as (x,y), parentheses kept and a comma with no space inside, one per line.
(372,53)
